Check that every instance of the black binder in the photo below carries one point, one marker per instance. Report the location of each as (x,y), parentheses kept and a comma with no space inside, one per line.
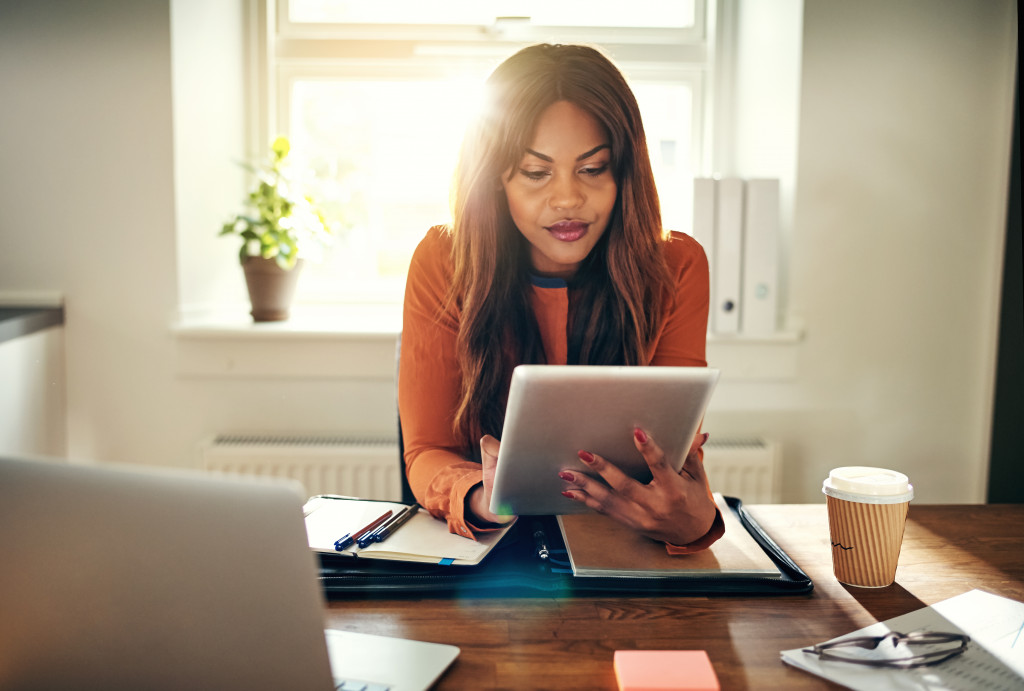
(513,569)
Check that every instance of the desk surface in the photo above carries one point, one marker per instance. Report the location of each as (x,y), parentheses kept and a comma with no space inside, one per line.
(568,643)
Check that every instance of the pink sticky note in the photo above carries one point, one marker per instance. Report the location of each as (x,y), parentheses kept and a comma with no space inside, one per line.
(665,670)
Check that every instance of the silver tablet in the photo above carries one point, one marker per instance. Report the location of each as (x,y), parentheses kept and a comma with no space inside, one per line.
(554,411)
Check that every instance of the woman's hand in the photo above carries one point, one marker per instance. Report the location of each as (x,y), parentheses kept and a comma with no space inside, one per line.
(478,503)
(672,507)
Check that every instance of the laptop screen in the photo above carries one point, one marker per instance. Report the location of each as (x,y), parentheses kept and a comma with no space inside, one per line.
(118,578)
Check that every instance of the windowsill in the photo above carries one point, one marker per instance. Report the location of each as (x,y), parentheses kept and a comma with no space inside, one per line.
(335,322)
(351,341)
(358,341)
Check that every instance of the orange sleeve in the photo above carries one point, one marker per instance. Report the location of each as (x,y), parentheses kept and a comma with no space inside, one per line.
(683,338)
(437,466)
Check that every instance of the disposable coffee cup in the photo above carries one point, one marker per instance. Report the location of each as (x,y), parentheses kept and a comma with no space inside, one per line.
(867,510)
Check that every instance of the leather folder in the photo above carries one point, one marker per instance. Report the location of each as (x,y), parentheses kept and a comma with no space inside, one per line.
(515,568)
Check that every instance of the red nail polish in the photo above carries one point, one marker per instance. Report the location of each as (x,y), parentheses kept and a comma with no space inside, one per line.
(568,477)
(568,495)
(640,436)
(586,456)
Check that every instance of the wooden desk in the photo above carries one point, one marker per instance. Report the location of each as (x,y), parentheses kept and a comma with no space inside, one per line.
(549,643)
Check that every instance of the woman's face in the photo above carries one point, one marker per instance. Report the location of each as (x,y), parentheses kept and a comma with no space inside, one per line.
(562,192)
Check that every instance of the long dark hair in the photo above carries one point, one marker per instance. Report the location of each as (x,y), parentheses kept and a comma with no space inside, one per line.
(615,296)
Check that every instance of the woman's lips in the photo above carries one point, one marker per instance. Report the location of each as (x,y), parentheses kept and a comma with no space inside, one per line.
(568,231)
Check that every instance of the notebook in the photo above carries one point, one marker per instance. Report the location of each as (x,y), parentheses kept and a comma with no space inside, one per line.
(600,546)
(423,538)
(554,411)
(116,578)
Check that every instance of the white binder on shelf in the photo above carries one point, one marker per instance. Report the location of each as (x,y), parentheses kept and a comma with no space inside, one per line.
(704,222)
(760,258)
(727,271)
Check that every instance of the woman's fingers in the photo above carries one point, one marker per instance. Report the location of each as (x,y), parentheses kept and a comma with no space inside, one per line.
(480,498)
(489,460)
(674,507)
(653,455)
(694,464)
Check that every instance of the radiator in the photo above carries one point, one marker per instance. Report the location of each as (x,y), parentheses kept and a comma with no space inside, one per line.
(744,467)
(366,468)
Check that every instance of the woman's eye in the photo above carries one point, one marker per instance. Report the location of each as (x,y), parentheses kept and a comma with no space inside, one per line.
(535,175)
(594,171)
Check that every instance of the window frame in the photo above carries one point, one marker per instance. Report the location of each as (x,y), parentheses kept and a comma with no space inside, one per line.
(283,52)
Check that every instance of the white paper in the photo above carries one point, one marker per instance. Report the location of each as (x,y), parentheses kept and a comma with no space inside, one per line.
(421,538)
(994,659)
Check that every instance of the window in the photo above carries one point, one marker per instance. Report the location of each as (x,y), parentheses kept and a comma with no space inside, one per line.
(375,98)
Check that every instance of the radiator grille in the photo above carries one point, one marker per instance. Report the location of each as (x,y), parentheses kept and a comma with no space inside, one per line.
(360,467)
(744,467)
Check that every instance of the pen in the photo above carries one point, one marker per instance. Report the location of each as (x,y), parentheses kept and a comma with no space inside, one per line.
(369,537)
(352,537)
(381,533)
(540,541)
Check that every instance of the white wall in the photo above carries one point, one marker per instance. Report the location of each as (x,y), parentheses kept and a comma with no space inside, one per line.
(896,232)
(86,190)
(896,246)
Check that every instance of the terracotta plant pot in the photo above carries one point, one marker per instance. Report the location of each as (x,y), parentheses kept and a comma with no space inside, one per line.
(271,288)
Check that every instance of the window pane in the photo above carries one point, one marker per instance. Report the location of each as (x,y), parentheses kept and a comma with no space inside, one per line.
(670,14)
(383,153)
(667,111)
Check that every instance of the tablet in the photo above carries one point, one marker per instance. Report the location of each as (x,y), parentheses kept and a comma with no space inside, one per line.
(554,411)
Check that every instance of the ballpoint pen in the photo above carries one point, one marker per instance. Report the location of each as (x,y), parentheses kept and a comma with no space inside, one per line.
(540,541)
(344,542)
(368,537)
(390,526)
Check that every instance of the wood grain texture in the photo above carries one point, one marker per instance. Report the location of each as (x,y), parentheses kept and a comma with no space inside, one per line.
(550,643)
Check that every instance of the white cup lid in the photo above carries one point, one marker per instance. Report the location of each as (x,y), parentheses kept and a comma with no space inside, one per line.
(864,483)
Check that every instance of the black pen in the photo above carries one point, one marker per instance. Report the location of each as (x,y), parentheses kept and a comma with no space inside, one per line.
(370,537)
(394,524)
(344,542)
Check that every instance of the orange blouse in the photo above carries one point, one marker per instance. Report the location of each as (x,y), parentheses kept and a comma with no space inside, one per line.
(429,381)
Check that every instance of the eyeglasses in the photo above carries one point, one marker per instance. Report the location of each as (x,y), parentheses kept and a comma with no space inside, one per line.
(916,649)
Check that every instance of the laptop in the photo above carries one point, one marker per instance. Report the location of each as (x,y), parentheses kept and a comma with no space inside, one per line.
(118,578)
(554,411)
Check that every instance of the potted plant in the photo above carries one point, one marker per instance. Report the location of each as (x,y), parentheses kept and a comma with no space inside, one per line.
(279,225)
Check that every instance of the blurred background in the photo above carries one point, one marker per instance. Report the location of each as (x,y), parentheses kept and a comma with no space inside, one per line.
(888,125)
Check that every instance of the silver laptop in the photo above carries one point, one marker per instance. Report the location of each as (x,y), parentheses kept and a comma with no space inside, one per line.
(554,411)
(115,578)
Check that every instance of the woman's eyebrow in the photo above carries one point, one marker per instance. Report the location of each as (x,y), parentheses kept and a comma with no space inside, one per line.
(585,155)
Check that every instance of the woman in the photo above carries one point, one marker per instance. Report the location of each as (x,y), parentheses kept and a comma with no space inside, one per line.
(556,255)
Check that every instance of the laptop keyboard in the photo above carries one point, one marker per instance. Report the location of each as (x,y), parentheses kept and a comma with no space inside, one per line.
(356,685)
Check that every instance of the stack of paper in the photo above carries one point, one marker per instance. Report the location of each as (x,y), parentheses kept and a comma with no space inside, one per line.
(994,658)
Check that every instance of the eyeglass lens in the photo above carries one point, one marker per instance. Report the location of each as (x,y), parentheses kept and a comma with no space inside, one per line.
(895,649)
